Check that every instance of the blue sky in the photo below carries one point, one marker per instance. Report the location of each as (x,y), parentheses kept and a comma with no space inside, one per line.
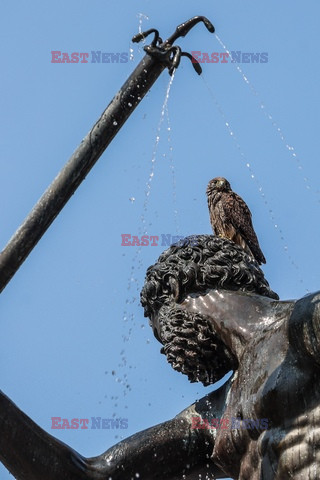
(74,341)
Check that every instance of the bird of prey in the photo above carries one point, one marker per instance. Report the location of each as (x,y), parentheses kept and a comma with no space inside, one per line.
(230,217)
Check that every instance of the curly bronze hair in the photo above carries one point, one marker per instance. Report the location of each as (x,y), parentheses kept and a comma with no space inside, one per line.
(199,263)
(192,347)
(196,264)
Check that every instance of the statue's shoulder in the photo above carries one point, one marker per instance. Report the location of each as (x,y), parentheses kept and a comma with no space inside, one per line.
(304,325)
(309,304)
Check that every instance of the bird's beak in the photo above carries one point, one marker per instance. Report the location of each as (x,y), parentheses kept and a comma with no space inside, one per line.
(209,189)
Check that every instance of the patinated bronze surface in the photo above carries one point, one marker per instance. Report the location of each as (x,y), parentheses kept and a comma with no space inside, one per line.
(213,311)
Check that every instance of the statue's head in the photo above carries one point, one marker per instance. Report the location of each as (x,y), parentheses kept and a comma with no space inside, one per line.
(195,265)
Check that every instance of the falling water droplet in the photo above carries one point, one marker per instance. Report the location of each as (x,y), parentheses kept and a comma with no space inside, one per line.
(270,117)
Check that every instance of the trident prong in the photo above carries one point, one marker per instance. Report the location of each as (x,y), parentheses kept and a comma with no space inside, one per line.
(167,53)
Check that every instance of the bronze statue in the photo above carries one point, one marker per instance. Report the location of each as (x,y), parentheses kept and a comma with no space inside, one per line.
(212,309)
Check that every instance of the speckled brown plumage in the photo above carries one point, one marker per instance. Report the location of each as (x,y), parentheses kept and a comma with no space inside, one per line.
(230,217)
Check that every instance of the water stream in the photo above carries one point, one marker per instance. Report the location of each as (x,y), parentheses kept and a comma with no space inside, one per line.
(133,283)
(275,125)
(253,176)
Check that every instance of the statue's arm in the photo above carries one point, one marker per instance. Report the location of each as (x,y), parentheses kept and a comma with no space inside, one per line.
(172,450)
(166,451)
(29,453)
